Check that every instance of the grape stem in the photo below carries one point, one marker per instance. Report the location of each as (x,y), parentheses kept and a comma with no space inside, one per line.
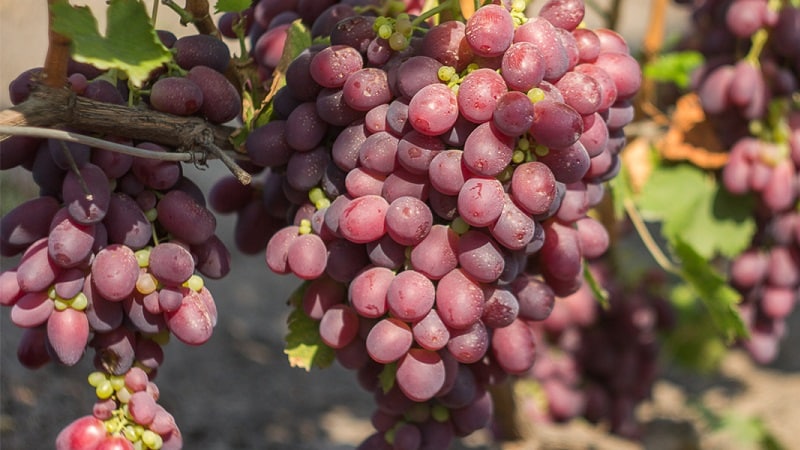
(68,136)
(55,63)
(154,14)
(647,238)
(758,41)
(208,145)
(73,166)
(49,107)
(186,16)
(443,6)
(196,12)
(202,17)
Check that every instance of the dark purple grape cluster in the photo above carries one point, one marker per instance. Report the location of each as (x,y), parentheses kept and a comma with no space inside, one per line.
(265,22)
(748,87)
(114,251)
(599,363)
(437,191)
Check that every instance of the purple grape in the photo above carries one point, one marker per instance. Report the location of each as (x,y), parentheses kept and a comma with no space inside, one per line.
(201,50)
(176,95)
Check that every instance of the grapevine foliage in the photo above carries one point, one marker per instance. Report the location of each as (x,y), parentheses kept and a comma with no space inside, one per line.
(127,22)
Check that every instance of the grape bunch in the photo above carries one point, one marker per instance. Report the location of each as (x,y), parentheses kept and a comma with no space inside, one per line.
(114,251)
(748,88)
(265,23)
(598,363)
(126,416)
(437,181)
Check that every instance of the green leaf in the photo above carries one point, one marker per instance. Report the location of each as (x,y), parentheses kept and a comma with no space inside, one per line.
(130,45)
(750,431)
(223,6)
(298,38)
(719,298)
(697,210)
(304,346)
(675,67)
(694,343)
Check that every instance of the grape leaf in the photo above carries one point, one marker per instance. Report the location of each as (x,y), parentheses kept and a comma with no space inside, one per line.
(719,298)
(694,343)
(304,346)
(750,431)
(231,5)
(130,45)
(674,67)
(298,38)
(698,211)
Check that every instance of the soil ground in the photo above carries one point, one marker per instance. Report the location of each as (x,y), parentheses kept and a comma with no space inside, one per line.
(238,392)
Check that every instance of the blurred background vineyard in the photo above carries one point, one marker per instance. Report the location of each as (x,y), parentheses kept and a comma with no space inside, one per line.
(238,391)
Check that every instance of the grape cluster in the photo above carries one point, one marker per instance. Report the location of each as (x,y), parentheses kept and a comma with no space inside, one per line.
(115,248)
(752,102)
(437,191)
(126,416)
(598,363)
(265,23)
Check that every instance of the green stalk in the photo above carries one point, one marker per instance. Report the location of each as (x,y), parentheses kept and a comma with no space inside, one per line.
(154,14)
(443,6)
(186,16)
(758,40)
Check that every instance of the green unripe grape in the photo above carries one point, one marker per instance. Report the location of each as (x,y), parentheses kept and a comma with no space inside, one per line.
(104,390)
(440,413)
(322,204)
(305,226)
(524,144)
(403,25)
(80,302)
(152,440)
(143,257)
(95,378)
(195,283)
(117,382)
(60,304)
(123,395)
(397,41)
(506,174)
(389,435)
(459,226)
(130,433)
(536,94)
(518,156)
(385,31)
(446,73)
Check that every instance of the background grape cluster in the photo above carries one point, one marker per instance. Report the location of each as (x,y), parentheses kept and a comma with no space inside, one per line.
(748,88)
